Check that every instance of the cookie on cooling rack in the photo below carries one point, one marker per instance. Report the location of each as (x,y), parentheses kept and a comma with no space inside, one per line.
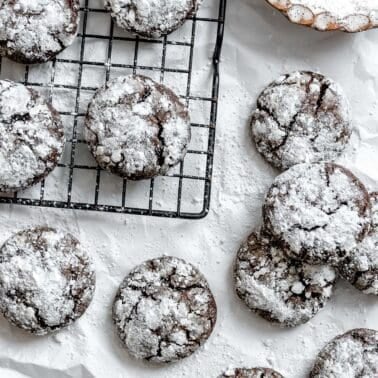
(36,31)
(324,15)
(164,310)
(32,137)
(352,355)
(137,128)
(302,117)
(46,280)
(283,291)
(360,268)
(151,18)
(319,212)
(251,373)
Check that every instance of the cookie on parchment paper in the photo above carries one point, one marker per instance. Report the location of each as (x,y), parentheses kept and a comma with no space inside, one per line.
(164,310)
(251,373)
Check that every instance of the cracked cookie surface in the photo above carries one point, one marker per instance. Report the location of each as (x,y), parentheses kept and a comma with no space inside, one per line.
(251,373)
(320,212)
(164,310)
(137,128)
(352,355)
(36,31)
(151,18)
(360,268)
(281,290)
(32,137)
(46,280)
(302,117)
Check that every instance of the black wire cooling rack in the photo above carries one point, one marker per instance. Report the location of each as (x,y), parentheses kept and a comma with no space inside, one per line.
(101,52)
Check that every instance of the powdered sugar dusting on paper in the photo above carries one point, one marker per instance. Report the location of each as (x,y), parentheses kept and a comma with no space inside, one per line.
(37,30)
(32,137)
(46,280)
(320,210)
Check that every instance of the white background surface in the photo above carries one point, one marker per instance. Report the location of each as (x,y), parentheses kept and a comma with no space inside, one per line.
(259,45)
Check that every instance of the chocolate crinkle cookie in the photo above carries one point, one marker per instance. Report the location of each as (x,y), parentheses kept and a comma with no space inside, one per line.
(164,310)
(137,128)
(36,31)
(282,291)
(32,137)
(151,18)
(302,117)
(360,268)
(319,212)
(251,373)
(352,355)
(46,280)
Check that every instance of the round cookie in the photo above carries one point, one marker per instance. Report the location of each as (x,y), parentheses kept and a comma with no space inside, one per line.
(251,373)
(46,280)
(164,310)
(36,31)
(283,291)
(319,212)
(32,137)
(137,128)
(151,18)
(352,355)
(360,268)
(302,117)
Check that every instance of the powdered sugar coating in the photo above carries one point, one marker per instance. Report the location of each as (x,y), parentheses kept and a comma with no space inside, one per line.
(164,310)
(46,280)
(352,355)
(320,212)
(35,31)
(251,373)
(282,291)
(151,18)
(302,117)
(360,268)
(32,137)
(137,128)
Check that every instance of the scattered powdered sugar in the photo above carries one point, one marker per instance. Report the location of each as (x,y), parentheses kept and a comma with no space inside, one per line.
(46,280)
(164,310)
(354,354)
(32,137)
(151,18)
(361,267)
(282,291)
(137,128)
(320,211)
(302,117)
(347,15)
(35,31)
(251,373)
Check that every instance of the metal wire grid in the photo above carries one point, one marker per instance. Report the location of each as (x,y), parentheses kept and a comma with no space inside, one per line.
(71,165)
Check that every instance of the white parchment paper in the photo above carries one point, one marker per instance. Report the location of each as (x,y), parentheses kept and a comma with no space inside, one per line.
(260,44)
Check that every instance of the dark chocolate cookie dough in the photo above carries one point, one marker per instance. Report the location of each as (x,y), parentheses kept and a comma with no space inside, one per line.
(352,355)
(251,373)
(32,137)
(46,280)
(302,117)
(137,128)
(360,268)
(35,31)
(319,212)
(151,18)
(281,290)
(164,310)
